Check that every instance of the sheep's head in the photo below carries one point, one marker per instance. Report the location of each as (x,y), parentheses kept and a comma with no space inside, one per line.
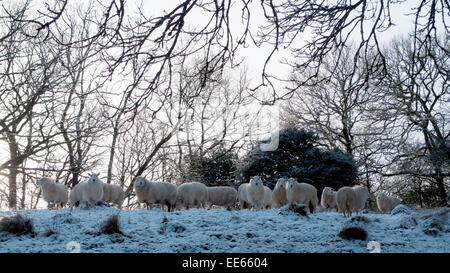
(329,190)
(140,182)
(94,178)
(381,196)
(179,203)
(281,183)
(41,181)
(256,181)
(291,183)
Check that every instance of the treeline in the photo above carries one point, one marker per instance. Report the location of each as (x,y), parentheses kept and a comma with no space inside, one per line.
(112,88)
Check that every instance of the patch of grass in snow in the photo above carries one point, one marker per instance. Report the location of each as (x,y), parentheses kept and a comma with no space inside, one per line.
(111,225)
(360,218)
(17,225)
(353,233)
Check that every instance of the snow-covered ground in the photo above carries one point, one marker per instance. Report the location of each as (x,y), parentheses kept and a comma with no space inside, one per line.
(221,230)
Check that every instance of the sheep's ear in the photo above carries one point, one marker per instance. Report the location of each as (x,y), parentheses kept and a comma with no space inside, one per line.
(98,174)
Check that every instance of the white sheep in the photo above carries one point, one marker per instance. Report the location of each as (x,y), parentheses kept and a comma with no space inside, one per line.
(279,193)
(387,203)
(242,196)
(163,193)
(302,193)
(346,200)
(251,194)
(362,195)
(193,194)
(267,197)
(87,193)
(53,192)
(113,194)
(328,198)
(221,196)
(350,199)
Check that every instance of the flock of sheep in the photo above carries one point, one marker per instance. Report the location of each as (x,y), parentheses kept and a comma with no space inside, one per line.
(194,194)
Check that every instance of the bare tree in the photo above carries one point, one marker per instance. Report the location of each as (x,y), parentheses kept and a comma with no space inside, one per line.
(418,88)
(30,71)
(329,25)
(341,107)
(78,115)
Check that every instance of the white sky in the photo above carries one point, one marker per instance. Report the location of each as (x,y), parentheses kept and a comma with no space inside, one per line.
(255,56)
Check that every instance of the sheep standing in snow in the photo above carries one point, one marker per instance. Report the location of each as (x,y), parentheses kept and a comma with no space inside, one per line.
(163,193)
(328,198)
(362,195)
(346,200)
(193,194)
(351,199)
(251,194)
(53,192)
(87,193)
(113,194)
(387,203)
(279,193)
(242,196)
(302,193)
(221,196)
(267,197)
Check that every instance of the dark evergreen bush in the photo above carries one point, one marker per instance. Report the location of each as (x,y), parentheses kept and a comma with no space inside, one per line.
(298,155)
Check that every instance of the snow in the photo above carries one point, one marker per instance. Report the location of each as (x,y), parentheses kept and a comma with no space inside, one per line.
(401,209)
(221,230)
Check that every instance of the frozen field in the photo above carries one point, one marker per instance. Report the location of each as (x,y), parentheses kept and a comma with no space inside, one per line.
(221,230)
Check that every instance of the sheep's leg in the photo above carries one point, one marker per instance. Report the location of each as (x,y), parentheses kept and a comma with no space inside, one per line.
(168,206)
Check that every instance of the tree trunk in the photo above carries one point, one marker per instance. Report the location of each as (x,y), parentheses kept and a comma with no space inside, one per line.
(74,178)
(440,183)
(420,194)
(12,177)
(24,190)
(434,154)
(111,155)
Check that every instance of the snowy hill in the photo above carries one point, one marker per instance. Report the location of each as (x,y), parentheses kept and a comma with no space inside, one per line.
(221,230)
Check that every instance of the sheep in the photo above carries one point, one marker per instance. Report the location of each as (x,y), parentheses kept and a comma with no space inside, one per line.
(53,192)
(242,196)
(328,198)
(193,194)
(351,199)
(387,203)
(362,195)
(302,193)
(113,194)
(279,193)
(267,197)
(87,193)
(221,196)
(346,200)
(155,193)
(252,194)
